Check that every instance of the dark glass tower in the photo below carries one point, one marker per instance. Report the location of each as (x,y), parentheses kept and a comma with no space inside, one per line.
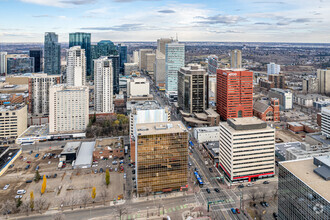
(122,56)
(37,55)
(52,54)
(115,63)
(84,41)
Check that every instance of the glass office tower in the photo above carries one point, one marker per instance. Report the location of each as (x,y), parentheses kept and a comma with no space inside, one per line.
(84,41)
(122,56)
(52,52)
(37,55)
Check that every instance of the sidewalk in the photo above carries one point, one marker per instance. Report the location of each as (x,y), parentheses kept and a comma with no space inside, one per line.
(160,196)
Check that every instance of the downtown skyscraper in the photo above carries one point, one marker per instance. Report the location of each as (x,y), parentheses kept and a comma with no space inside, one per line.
(37,55)
(52,52)
(84,41)
(76,67)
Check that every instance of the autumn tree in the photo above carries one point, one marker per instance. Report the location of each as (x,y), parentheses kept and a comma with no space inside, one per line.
(93,193)
(44,184)
(107,177)
(31,200)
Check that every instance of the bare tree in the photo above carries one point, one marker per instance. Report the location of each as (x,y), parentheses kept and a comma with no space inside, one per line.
(59,216)
(8,207)
(72,201)
(40,204)
(104,195)
(84,198)
(121,211)
(25,207)
(263,195)
(253,195)
(275,192)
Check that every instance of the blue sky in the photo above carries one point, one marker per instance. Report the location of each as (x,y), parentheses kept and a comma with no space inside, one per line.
(132,20)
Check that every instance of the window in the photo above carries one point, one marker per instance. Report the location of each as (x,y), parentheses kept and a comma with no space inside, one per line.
(239,114)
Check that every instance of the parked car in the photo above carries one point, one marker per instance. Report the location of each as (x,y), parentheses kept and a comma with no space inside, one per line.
(266,182)
(28,161)
(249,184)
(233,210)
(11,166)
(208,190)
(6,187)
(28,181)
(27,166)
(266,204)
(133,171)
(18,196)
(37,155)
(114,162)
(37,168)
(262,204)
(101,170)
(275,215)
(21,192)
(116,169)
(124,175)
(210,169)
(55,175)
(95,171)
(241,186)
(237,210)
(217,190)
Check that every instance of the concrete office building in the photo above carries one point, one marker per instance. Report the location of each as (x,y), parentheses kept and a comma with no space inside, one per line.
(39,85)
(212,88)
(136,57)
(192,89)
(19,64)
(273,68)
(161,157)
(234,93)
(52,53)
(161,44)
(325,122)
(143,58)
(323,76)
(310,85)
(138,87)
(207,134)
(84,41)
(236,59)
(247,149)
(159,66)
(303,189)
(3,62)
(150,60)
(284,96)
(68,108)
(212,66)
(130,68)
(174,60)
(37,55)
(76,67)
(13,120)
(103,81)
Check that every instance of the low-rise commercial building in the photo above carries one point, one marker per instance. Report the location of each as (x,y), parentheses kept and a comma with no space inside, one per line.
(138,86)
(207,134)
(13,120)
(247,149)
(161,157)
(284,96)
(303,189)
(267,111)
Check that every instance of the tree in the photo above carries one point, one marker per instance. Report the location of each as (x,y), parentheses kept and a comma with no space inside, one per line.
(40,204)
(37,176)
(31,200)
(44,185)
(104,195)
(93,193)
(72,201)
(263,195)
(84,199)
(59,216)
(121,211)
(107,177)
(8,207)
(18,203)
(25,207)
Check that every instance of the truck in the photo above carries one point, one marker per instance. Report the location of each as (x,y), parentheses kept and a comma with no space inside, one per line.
(126,149)
(206,163)
(60,164)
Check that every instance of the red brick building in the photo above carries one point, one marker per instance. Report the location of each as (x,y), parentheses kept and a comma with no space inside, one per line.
(267,111)
(234,93)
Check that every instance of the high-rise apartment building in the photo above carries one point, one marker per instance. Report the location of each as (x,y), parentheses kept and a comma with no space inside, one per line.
(325,122)
(143,58)
(52,54)
(310,85)
(103,81)
(174,60)
(212,83)
(84,41)
(284,96)
(236,59)
(13,120)
(37,55)
(39,85)
(323,76)
(3,62)
(273,68)
(136,57)
(76,67)
(303,189)
(247,149)
(234,93)
(212,64)
(161,157)
(192,89)
(150,62)
(278,80)
(68,108)
(19,64)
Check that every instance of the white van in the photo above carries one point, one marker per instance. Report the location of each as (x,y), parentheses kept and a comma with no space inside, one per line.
(21,191)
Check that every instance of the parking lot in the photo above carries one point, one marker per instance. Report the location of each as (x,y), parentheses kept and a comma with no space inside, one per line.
(65,185)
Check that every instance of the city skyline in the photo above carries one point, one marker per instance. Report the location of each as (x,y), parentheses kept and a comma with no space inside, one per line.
(130,20)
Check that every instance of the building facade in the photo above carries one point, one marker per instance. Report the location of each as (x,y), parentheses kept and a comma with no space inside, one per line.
(68,108)
(37,55)
(284,96)
(212,62)
(103,81)
(323,76)
(207,134)
(234,93)
(161,157)
(159,66)
(143,58)
(310,85)
(76,67)
(236,59)
(267,111)
(325,122)
(273,68)
(13,120)
(247,149)
(52,53)
(18,64)
(122,57)
(130,68)
(192,89)
(84,41)
(150,62)
(3,62)
(138,87)
(302,192)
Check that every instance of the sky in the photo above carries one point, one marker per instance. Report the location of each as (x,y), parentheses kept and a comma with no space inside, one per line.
(306,21)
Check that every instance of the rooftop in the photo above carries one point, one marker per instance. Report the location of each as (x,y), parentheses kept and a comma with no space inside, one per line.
(36,131)
(143,105)
(85,154)
(304,170)
(207,129)
(246,123)
(71,147)
(160,128)
(12,107)
(280,90)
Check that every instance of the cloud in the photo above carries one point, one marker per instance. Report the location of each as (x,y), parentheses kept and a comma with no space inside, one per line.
(262,23)
(123,1)
(42,16)
(79,2)
(60,3)
(123,27)
(287,21)
(274,2)
(167,11)
(221,19)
